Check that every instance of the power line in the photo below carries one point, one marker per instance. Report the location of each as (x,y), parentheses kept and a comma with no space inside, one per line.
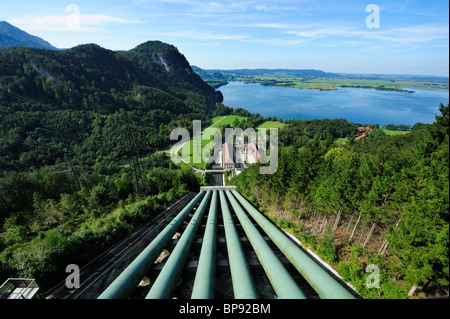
(23,142)
(77,182)
(26,99)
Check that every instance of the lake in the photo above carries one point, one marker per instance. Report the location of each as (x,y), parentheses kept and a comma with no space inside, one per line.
(356,105)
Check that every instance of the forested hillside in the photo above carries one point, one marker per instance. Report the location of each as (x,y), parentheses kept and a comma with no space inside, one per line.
(381,200)
(79,134)
(72,100)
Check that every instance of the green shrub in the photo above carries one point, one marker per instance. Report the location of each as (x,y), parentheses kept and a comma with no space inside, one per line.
(328,249)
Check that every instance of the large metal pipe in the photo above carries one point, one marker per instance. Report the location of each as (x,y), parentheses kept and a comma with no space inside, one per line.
(167,279)
(127,281)
(319,279)
(282,282)
(243,285)
(205,277)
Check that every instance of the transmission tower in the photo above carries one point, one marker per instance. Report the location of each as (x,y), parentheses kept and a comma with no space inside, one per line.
(132,146)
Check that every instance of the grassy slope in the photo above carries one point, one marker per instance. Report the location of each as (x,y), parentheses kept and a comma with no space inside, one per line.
(272,124)
(392,132)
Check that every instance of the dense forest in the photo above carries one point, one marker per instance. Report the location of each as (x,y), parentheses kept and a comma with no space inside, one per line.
(380,200)
(80,166)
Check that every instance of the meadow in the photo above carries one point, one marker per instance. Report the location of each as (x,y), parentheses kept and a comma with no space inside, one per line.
(393,132)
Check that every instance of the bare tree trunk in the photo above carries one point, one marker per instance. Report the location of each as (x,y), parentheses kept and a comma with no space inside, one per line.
(362,233)
(336,222)
(412,291)
(354,228)
(385,246)
(324,225)
(382,246)
(300,209)
(368,235)
(385,249)
(318,223)
(348,227)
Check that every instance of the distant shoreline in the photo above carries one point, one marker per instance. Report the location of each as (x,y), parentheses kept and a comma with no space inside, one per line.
(319,80)
(334,88)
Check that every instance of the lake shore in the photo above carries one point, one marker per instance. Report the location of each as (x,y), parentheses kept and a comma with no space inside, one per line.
(351,103)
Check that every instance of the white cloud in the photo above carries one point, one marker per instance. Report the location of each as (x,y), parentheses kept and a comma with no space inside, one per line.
(441,45)
(86,22)
(235,37)
(215,4)
(411,35)
(275,42)
(407,35)
(203,35)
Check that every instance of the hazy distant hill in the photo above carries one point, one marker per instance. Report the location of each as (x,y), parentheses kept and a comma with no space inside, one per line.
(261,72)
(317,79)
(216,77)
(11,36)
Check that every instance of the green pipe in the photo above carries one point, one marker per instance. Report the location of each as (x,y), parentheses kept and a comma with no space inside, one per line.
(127,281)
(319,279)
(243,286)
(282,282)
(205,277)
(165,283)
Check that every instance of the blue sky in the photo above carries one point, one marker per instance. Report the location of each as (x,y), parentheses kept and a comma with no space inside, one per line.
(412,37)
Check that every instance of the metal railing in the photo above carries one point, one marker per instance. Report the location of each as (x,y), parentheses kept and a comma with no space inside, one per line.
(18,288)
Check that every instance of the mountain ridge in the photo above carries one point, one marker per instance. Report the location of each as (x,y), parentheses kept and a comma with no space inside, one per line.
(90,66)
(261,71)
(12,36)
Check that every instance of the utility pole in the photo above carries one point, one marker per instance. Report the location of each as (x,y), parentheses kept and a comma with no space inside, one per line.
(141,183)
(77,181)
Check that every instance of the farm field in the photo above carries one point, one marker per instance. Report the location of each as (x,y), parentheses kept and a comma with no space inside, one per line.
(393,132)
(334,83)
(272,124)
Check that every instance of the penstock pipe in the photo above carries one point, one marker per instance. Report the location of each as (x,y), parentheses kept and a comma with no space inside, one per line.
(320,280)
(243,285)
(124,285)
(165,283)
(205,277)
(280,279)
